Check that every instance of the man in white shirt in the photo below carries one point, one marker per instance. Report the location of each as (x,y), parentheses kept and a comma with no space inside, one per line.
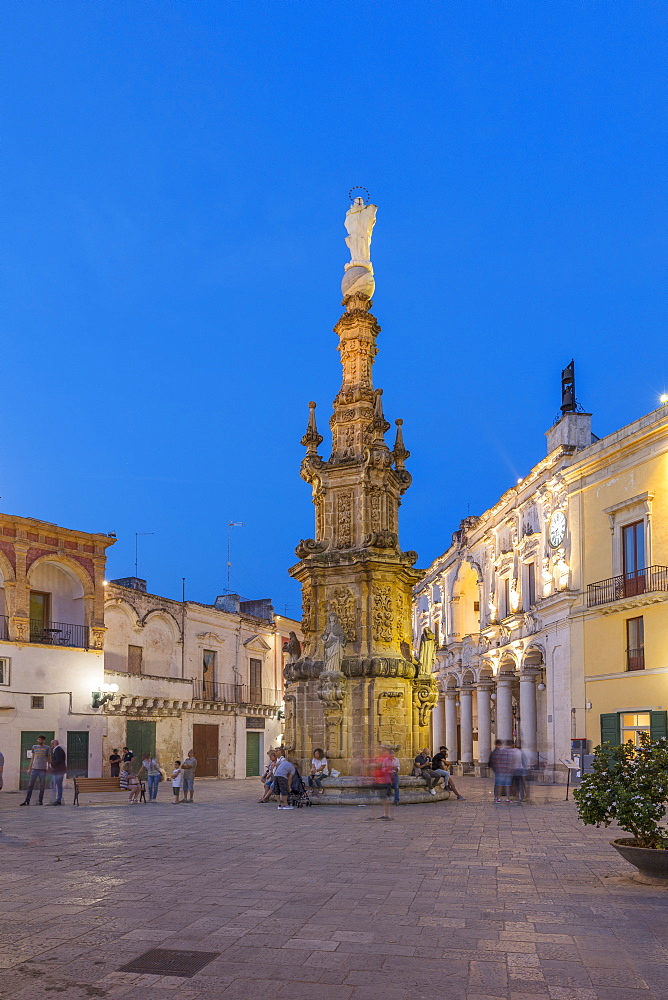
(283,775)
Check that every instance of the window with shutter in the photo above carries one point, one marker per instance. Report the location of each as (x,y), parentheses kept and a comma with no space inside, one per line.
(610,728)
(657,725)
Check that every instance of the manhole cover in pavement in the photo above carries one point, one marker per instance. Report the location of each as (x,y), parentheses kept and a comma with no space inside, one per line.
(166,962)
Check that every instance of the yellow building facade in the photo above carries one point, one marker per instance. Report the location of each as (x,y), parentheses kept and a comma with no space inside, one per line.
(618,499)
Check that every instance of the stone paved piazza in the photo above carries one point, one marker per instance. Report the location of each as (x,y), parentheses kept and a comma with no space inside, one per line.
(455,900)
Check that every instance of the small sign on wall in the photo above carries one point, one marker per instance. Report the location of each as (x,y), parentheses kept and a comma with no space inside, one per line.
(253,723)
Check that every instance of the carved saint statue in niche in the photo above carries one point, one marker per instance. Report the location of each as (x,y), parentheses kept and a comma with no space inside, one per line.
(360,220)
(334,639)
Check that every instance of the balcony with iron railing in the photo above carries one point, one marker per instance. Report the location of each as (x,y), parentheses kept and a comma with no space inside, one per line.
(236,694)
(628,585)
(635,659)
(59,634)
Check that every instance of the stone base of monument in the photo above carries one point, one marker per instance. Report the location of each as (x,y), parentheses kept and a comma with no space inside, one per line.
(363,791)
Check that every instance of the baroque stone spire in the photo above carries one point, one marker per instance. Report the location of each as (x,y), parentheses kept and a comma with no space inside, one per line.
(356,581)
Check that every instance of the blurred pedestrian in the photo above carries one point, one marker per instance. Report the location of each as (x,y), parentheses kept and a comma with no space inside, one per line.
(151,765)
(58,771)
(386,774)
(502,762)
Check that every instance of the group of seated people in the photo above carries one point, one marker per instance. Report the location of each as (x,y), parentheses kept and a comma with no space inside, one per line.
(277,760)
(434,770)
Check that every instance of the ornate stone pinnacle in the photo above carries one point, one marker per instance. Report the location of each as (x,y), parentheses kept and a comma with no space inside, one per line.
(400,451)
(311,439)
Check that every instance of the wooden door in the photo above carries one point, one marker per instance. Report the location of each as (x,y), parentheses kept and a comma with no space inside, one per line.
(252,755)
(28,740)
(205,745)
(77,754)
(140,738)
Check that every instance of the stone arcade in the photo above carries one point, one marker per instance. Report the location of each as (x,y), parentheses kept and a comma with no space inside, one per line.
(355,683)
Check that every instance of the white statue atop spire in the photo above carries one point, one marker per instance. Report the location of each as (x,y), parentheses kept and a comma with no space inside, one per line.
(360,220)
(358,272)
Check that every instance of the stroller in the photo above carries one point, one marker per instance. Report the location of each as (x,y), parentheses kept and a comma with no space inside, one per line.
(298,796)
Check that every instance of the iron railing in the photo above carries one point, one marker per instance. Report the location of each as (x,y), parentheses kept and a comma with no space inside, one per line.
(59,634)
(635,659)
(4,627)
(641,581)
(236,694)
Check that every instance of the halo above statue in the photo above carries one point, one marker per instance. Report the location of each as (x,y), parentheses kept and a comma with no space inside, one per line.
(353,196)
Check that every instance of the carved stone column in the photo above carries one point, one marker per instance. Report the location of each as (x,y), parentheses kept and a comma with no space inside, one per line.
(528,711)
(466,715)
(484,690)
(438,724)
(451,725)
(504,707)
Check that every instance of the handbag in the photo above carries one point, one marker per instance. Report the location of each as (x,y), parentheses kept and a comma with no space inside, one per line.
(334,774)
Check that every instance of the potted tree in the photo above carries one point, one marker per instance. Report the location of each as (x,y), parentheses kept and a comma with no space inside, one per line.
(629,786)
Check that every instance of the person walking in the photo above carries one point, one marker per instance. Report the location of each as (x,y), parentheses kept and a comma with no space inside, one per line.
(151,765)
(39,766)
(284,772)
(501,762)
(189,766)
(115,763)
(58,771)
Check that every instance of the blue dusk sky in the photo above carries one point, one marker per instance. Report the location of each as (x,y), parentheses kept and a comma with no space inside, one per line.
(175,181)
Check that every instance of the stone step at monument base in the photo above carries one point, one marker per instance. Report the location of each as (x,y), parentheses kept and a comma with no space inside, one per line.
(362,791)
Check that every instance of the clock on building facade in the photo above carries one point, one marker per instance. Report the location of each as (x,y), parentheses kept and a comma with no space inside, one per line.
(557,528)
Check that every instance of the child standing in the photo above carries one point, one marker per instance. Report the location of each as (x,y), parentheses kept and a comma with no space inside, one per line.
(176,780)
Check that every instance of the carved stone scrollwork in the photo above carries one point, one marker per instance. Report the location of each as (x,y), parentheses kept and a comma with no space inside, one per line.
(331,689)
(426,696)
(411,556)
(344,523)
(309,546)
(381,539)
(382,616)
(342,603)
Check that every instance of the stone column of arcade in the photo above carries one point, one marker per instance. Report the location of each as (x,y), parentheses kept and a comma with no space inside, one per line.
(438,724)
(528,712)
(504,707)
(466,714)
(451,725)
(484,691)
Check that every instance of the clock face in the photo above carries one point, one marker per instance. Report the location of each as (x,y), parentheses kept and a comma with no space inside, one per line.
(557,528)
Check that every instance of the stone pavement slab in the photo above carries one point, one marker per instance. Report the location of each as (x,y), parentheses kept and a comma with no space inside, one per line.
(454,900)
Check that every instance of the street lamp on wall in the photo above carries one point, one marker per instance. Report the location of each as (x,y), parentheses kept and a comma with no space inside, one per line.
(105,693)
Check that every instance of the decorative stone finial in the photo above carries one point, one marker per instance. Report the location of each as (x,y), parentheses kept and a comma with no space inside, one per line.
(312,439)
(400,451)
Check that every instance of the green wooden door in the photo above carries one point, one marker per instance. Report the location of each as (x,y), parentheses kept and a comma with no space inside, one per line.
(252,755)
(140,738)
(28,740)
(77,754)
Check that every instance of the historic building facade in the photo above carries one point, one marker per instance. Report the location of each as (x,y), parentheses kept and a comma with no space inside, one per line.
(52,634)
(519,628)
(618,497)
(207,676)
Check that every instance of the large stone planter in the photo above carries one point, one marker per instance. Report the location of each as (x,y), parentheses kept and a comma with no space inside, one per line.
(652,863)
(357,790)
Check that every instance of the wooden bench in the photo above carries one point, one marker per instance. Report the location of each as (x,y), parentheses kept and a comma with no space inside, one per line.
(102,785)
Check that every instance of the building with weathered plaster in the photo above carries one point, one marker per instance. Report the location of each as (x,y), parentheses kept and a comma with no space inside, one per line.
(355,683)
(51,643)
(522,614)
(207,676)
